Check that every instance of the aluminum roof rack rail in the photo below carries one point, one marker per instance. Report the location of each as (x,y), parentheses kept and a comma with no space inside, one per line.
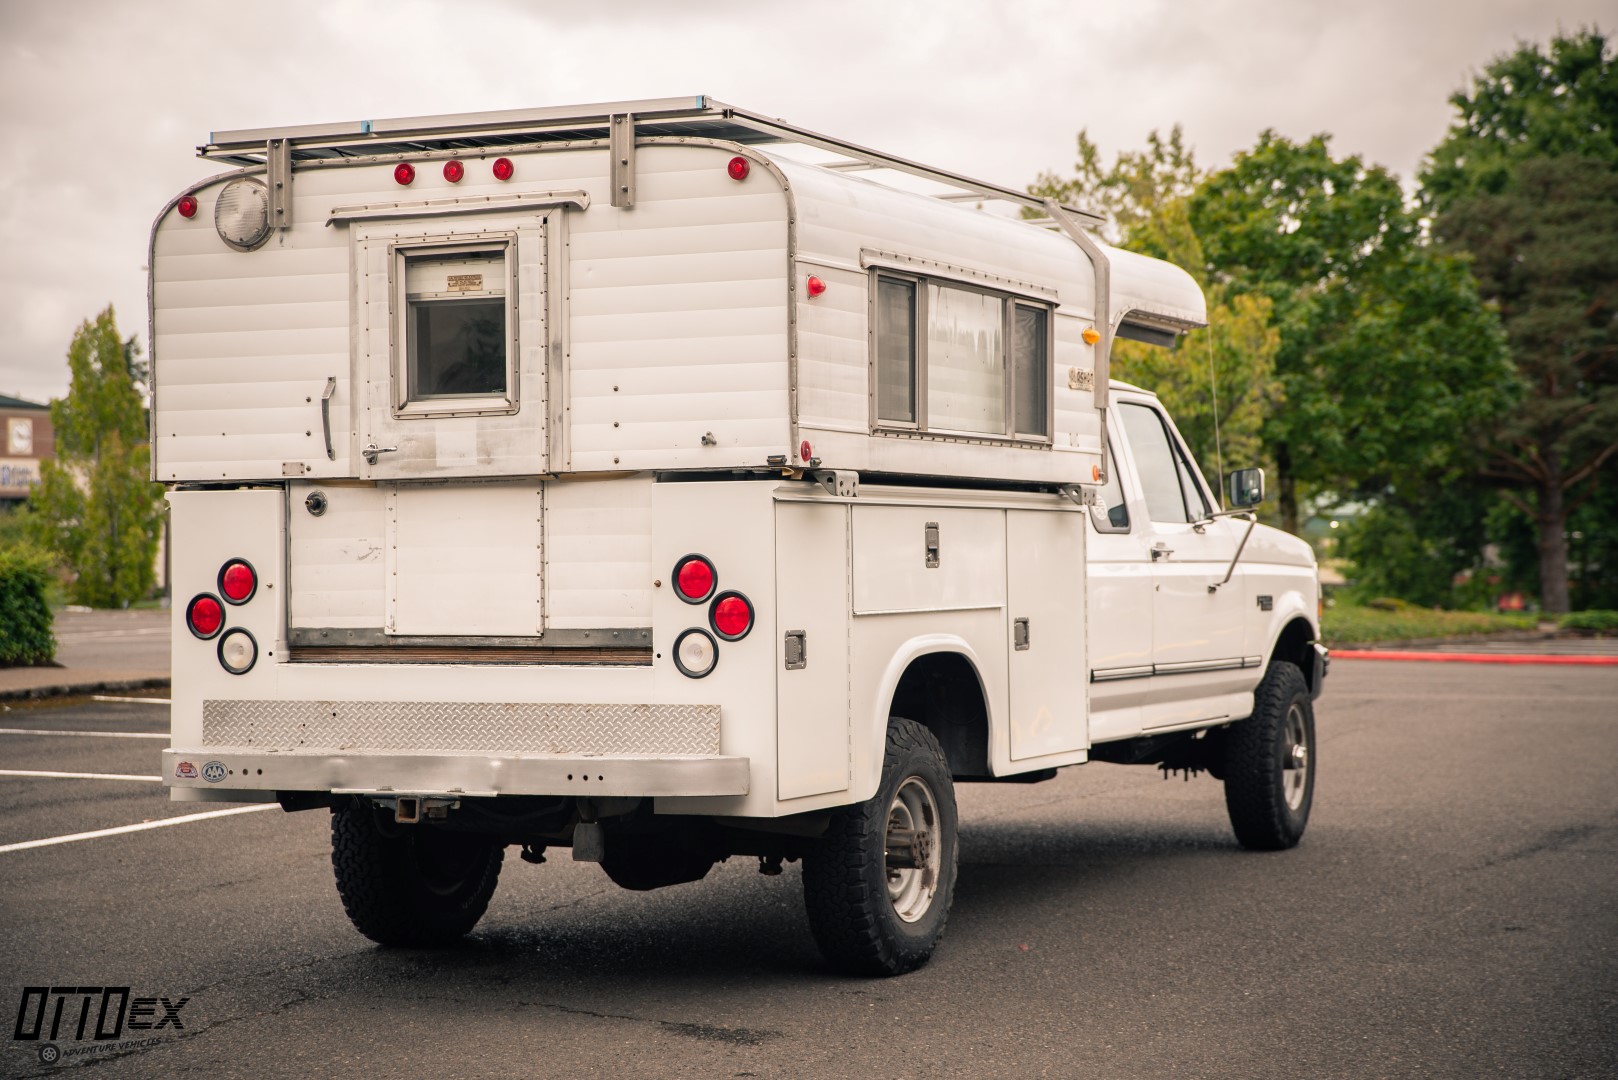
(699,116)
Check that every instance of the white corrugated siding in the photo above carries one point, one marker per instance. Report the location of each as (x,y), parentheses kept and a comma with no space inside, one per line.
(598,547)
(678,321)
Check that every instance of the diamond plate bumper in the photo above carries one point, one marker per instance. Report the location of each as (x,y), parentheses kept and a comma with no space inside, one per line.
(223,769)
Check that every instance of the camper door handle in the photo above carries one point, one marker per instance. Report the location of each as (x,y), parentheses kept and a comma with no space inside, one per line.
(373,451)
(325,415)
(1161,550)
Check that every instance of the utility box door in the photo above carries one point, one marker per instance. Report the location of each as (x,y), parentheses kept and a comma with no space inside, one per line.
(812,606)
(452,350)
(1045,575)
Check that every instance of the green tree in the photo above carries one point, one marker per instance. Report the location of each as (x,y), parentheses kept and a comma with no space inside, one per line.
(1526,183)
(1386,352)
(95,504)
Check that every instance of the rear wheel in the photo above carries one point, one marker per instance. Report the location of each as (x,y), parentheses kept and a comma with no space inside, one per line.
(411,884)
(1270,763)
(878,886)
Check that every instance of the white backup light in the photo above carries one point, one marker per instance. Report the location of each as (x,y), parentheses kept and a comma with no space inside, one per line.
(242,214)
(695,653)
(238,652)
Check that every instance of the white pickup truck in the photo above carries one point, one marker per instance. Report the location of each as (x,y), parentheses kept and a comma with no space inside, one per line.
(664,482)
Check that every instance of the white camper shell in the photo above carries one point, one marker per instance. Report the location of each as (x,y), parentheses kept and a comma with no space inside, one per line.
(557,476)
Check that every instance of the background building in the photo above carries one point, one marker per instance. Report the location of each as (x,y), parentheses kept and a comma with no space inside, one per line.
(29,439)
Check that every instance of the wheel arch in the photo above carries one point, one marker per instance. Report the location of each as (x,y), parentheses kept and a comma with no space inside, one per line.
(1295,645)
(937,681)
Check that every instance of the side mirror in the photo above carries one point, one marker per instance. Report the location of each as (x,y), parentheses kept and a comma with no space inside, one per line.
(1245,487)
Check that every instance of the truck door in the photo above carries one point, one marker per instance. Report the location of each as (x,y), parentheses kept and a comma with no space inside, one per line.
(1197,634)
(452,347)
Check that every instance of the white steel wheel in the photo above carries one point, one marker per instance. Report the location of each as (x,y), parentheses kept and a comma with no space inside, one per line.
(1295,759)
(912,849)
(878,885)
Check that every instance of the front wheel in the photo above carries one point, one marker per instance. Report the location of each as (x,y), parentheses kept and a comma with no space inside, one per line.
(415,885)
(1270,763)
(878,886)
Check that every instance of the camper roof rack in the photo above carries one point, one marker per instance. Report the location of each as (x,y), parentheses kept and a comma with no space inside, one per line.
(699,116)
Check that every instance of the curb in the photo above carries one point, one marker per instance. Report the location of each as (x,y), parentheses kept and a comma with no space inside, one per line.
(78,689)
(1471,658)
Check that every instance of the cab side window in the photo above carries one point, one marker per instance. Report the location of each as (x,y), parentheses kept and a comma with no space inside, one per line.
(1172,494)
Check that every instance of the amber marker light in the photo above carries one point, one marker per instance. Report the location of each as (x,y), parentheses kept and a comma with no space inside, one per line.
(1091,335)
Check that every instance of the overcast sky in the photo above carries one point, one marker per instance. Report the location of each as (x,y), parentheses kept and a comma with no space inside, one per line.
(105,102)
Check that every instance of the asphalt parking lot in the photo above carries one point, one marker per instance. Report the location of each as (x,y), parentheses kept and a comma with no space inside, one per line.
(1453,911)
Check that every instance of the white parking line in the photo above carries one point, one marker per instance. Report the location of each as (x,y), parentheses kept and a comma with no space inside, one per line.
(158,824)
(133,700)
(77,775)
(86,734)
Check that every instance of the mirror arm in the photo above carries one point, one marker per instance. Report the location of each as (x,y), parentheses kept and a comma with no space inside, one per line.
(1252,520)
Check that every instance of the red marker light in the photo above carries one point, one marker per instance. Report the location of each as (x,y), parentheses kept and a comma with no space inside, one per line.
(503,168)
(237,581)
(738,168)
(404,173)
(805,451)
(453,171)
(694,579)
(187,206)
(816,286)
(204,616)
(732,616)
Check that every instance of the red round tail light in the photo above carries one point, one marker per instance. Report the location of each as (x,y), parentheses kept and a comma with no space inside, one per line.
(205,616)
(453,171)
(732,616)
(694,579)
(738,168)
(237,581)
(815,286)
(504,169)
(404,173)
(187,206)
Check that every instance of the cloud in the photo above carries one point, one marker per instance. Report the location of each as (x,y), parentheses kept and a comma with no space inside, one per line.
(102,102)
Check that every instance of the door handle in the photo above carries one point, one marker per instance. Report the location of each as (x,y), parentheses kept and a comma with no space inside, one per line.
(1159,551)
(325,416)
(373,451)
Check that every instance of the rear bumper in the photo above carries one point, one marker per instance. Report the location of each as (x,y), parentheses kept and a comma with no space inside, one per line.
(223,770)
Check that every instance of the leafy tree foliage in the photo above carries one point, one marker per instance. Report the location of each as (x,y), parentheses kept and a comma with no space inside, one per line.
(95,504)
(1386,351)
(1526,183)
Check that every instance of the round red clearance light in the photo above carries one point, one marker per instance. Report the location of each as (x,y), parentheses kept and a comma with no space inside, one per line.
(731,616)
(503,168)
(238,582)
(187,206)
(816,286)
(205,616)
(694,579)
(453,171)
(404,173)
(805,451)
(738,168)
(238,652)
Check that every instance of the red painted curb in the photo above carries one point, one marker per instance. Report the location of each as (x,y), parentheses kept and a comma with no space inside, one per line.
(1470,658)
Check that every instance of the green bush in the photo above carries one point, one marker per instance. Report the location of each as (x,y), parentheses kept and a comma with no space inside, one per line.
(1591,622)
(25,617)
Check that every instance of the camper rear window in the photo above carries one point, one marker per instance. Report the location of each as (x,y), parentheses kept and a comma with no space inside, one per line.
(952,359)
(457,328)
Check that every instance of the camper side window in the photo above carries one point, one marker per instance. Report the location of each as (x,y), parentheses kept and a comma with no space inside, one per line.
(457,326)
(953,359)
